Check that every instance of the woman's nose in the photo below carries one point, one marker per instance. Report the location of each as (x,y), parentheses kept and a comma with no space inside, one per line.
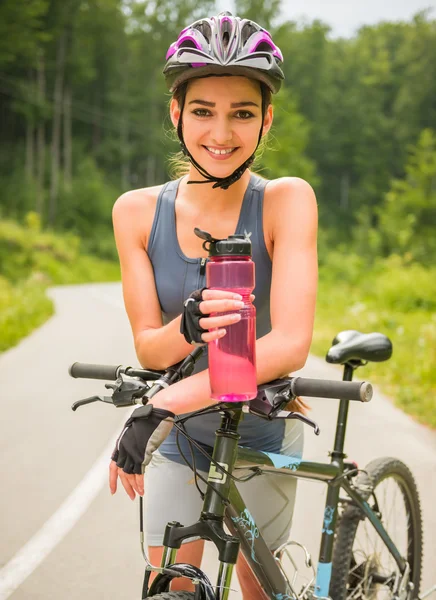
(222,131)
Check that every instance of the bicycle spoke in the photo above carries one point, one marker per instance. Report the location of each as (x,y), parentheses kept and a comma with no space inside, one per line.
(370,556)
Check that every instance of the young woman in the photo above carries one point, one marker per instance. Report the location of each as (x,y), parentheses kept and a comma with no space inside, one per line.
(221,71)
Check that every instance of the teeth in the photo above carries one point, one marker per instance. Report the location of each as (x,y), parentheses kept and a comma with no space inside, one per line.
(215,151)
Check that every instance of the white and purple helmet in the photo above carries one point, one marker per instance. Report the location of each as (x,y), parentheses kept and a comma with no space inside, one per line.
(224,45)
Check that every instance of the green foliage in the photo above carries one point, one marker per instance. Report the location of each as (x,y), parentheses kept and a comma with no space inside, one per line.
(408,215)
(30,260)
(17,193)
(401,286)
(25,250)
(264,12)
(86,209)
(288,139)
(22,308)
(397,299)
(21,29)
(406,219)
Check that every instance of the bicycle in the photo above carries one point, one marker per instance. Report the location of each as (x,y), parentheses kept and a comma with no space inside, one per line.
(361,556)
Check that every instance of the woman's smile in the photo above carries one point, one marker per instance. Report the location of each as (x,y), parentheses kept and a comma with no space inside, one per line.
(220,153)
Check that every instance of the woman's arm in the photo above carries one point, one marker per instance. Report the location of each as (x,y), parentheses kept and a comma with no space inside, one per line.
(293,297)
(157,346)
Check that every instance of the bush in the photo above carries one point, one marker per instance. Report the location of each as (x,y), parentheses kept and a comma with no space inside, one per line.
(86,210)
(22,308)
(22,246)
(400,286)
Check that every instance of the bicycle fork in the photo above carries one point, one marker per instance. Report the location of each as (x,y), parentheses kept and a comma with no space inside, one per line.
(210,526)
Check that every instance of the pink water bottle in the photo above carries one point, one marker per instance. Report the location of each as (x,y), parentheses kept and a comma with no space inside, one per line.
(232,359)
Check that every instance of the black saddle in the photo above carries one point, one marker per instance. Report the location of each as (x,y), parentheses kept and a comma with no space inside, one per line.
(358,348)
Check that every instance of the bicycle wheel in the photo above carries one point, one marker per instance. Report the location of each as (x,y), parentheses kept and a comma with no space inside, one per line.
(363,568)
(174,596)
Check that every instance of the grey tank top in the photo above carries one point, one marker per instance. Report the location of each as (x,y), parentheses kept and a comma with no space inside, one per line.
(177,275)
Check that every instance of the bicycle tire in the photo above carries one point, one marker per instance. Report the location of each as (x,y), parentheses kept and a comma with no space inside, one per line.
(174,596)
(354,567)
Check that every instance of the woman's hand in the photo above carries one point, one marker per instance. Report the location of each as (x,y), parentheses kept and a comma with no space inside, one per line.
(219,301)
(144,431)
(133,484)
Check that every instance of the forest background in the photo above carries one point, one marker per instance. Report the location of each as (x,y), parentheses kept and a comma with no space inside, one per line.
(83,118)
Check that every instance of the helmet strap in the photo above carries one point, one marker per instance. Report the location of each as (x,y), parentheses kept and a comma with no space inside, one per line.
(219,182)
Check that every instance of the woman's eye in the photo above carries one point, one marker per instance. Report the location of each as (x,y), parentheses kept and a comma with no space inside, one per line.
(244,114)
(201,112)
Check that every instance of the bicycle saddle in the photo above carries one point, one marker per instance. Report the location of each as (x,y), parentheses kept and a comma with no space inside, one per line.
(352,346)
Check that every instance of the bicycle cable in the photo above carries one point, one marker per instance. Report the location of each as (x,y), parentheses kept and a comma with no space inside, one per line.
(255,472)
(349,473)
(193,442)
(193,467)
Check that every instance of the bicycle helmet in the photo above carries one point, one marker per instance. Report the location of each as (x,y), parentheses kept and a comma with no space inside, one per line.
(223,45)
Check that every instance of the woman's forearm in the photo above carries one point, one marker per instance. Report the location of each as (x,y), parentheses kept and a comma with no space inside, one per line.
(162,347)
(272,361)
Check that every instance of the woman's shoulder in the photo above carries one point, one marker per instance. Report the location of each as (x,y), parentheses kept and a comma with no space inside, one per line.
(288,198)
(289,187)
(137,207)
(137,200)
(134,211)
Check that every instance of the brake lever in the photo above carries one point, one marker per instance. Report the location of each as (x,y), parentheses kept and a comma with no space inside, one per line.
(91,399)
(285,414)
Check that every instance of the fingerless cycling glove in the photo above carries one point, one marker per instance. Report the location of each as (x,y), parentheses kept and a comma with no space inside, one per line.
(189,325)
(143,433)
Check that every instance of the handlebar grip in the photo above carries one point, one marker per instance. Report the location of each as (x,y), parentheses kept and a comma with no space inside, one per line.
(343,390)
(89,371)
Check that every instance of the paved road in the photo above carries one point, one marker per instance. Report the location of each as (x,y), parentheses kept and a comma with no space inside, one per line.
(62,534)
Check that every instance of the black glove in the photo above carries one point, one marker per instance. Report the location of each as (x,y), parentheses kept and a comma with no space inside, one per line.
(143,433)
(191,316)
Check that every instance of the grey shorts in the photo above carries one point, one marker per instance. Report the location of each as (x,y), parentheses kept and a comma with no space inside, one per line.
(171,495)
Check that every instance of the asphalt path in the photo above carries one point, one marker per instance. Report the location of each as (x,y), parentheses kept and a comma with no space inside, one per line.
(62,534)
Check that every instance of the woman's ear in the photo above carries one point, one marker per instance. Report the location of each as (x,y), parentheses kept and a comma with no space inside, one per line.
(268,120)
(174,112)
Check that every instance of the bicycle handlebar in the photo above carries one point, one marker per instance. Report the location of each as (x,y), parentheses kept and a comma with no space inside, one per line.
(110,373)
(296,386)
(90,371)
(323,388)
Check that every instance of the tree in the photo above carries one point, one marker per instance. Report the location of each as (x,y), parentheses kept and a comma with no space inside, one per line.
(408,214)
(21,30)
(264,12)
(285,154)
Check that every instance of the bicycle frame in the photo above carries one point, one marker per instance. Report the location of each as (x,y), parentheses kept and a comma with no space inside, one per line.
(224,504)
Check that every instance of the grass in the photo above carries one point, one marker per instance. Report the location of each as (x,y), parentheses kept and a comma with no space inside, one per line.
(32,260)
(409,377)
(25,306)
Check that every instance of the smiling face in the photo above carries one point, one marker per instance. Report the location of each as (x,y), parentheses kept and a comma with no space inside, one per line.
(222,117)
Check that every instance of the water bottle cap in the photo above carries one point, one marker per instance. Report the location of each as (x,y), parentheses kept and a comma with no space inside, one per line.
(235,245)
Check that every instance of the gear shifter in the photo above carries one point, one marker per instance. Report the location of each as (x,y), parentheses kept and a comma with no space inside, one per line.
(125,393)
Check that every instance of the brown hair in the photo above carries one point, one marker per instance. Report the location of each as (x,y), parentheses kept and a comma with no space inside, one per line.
(179,164)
